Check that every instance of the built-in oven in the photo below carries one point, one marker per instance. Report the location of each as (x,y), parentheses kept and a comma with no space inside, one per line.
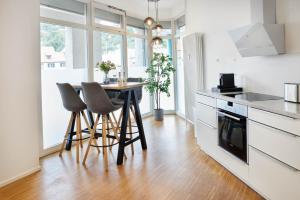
(232,128)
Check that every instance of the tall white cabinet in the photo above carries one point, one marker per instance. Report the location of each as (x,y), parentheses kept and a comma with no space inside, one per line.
(193,71)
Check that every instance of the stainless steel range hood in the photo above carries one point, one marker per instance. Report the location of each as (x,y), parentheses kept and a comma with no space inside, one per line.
(263,37)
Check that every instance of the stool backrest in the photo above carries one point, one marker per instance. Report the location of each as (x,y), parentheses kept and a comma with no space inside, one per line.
(96,98)
(71,100)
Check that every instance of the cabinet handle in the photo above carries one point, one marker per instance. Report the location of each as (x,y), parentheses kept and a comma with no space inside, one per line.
(275,159)
(205,124)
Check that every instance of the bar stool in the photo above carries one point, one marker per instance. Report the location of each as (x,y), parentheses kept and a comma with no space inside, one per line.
(99,103)
(73,103)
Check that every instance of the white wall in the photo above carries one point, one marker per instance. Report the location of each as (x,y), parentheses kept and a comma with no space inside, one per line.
(20,103)
(260,74)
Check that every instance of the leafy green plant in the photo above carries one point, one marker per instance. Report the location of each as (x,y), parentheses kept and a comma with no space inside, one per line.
(106,66)
(159,73)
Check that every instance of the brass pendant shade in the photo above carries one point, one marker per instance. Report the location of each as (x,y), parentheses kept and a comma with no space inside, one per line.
(157,41)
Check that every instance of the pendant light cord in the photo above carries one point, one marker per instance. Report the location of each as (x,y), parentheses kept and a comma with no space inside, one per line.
(148,9)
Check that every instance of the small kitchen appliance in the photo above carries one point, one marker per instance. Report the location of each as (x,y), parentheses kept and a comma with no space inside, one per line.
(227,84)
(292,92)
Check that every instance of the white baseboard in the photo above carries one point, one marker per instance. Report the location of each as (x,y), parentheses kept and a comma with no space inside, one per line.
(22,175)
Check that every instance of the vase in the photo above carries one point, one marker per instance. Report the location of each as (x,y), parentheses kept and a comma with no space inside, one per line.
(159,114)
(106,79)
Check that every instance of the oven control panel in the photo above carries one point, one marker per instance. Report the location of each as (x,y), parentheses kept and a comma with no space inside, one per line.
(232,107)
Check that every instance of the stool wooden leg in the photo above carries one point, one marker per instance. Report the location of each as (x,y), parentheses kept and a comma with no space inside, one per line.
(115,130)
(104,132)
(91,139)
(90,130)
(66,134)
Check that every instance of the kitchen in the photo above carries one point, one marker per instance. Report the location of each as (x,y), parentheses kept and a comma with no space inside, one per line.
(231,128)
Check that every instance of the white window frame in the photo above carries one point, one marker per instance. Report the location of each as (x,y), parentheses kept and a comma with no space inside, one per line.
(91,26)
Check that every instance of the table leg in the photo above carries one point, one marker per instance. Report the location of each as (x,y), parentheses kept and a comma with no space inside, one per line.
(139,121)
(124,127)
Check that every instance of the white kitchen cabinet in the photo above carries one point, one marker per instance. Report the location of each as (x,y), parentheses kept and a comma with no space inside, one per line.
(232,163)
(272,178)
(206,114)
(281,122)
(210,101)
(276,143)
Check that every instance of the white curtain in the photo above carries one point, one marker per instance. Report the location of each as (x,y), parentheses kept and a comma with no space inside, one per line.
(193,71)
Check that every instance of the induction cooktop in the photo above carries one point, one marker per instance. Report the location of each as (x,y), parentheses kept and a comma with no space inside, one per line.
(250,96)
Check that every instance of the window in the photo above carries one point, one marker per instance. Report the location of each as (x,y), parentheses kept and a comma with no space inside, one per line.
(68,63)
(107,46)
(106,16)
(166,31)
(135,26)
(63,59)
(137,65)
(67,10)
(167,103)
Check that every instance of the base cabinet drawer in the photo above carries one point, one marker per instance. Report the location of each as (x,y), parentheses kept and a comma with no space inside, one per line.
(206,114)
(210,101)
(276,143)
(206,137)
(271,178)
(281,122)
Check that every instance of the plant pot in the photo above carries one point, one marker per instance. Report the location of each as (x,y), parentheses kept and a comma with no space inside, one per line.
(159,114)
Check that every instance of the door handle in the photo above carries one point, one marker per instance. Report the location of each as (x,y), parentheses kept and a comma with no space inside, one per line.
(230,116)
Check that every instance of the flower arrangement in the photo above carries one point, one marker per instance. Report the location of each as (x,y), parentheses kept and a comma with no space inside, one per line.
(106,66)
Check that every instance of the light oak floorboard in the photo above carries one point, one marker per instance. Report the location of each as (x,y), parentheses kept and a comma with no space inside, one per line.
(173,168)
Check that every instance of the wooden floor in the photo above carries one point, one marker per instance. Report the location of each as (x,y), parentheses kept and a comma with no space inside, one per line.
(172,168)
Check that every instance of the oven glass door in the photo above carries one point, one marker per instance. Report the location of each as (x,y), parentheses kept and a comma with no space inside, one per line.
(233,133)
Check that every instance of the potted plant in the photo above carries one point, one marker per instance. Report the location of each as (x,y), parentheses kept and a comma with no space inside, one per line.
(106,66)
(159,80)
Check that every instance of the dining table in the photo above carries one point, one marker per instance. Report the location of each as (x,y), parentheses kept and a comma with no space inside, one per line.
(128,89)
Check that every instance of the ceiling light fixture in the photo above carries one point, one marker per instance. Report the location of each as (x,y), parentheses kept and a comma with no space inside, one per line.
(157,41)
(158,27)
(149,21)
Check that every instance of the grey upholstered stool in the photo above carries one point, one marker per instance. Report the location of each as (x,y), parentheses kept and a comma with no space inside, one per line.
(98,102)
(73,103)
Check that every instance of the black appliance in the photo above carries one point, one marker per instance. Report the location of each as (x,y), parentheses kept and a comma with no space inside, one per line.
(232,128)
(250,96)
(227,84)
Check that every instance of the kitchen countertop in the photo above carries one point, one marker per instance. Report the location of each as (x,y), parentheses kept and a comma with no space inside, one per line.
(275,106)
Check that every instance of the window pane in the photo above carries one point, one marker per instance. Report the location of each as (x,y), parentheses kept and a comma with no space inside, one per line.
(63,59)
(137,66)
(163,32)
(135,30)
(107,46)
(67,10)
(135,25)
(107,18)
(167,103)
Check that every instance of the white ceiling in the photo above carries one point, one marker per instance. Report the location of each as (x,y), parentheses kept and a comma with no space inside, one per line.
(166,4)
(138,8)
